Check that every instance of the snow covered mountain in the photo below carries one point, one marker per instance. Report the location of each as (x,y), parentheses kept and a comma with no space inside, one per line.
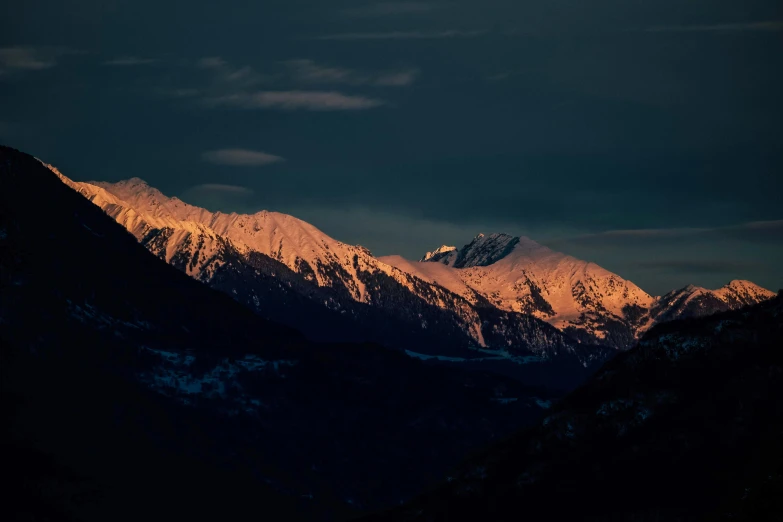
(289,271)
(517,274)
(695,301)
(484,295)
(580,298)
(129,388)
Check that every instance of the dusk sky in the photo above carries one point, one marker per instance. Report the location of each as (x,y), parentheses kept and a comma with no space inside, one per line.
(646,136)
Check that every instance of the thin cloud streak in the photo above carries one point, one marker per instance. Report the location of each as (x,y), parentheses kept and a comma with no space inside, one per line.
(308,71)
(754,231)
(212,62)
(28,58)
(240,157)
(296,100)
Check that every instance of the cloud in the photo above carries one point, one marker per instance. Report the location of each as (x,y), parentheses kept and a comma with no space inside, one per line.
(388,8)
(130,60)
(226,78)
(401,35)
(754,231)
(20,59)
(296,100)
(774,25)
(398,79)
(240,157)
(309,72)
(228,86)
(212,62)
(28,58)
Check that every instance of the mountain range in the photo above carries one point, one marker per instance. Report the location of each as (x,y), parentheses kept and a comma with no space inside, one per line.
(161,361)
(115,366)
(500,301)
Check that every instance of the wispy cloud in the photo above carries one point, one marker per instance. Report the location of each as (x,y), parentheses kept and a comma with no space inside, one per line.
(28,58)
(388,9)
(225,77)
(774,25)
(20,59)
(401,35)
(240,157)
(245,88)
(296,100)
(398,79)
(130,61)
(212,62)
(308,71)
(754,231)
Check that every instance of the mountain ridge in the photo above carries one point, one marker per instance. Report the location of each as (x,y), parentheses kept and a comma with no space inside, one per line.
(289,271)
(113,359)
(578,297)
(513,274)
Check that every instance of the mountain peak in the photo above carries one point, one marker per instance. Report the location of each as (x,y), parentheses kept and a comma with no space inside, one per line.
(485,250)
(439,254)
(741,283)
(744,292)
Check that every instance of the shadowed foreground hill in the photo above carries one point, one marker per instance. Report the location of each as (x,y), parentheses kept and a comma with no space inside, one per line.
(687,426)
(133,392)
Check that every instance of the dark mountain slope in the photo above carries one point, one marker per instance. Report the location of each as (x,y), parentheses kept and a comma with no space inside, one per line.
(686,426)
(129,387)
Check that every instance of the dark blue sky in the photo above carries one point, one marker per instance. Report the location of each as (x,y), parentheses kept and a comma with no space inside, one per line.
(646,136)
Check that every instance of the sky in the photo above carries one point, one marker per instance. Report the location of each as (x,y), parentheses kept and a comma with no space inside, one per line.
(645,136)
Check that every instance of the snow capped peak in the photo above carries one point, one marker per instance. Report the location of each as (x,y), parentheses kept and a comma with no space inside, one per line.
(514,274)
(439,253)
(695,301)
(187,231)
(520,275)
(485,250)
(741,292)
(736,286)
(743,284)
(366,251)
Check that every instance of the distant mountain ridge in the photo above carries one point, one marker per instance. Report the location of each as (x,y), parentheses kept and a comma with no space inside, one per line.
(695,301)
(452,294)
(578,297)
